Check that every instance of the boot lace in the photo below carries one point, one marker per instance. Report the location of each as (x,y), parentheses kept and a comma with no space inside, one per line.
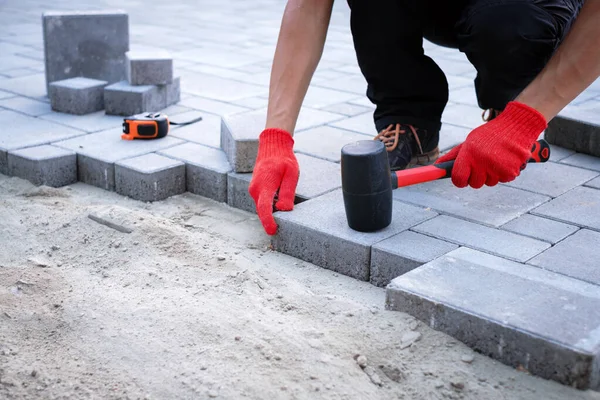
(391,135)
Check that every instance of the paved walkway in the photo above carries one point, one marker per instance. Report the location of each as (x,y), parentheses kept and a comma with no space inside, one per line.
(510,270)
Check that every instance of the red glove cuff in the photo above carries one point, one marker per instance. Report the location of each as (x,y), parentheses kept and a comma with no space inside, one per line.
(523,122)
(274,142)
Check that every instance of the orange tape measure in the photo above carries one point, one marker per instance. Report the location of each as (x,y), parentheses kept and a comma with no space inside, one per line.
(147,126)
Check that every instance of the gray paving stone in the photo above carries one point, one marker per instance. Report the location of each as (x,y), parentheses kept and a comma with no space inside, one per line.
(576,130)
(44,165)
(20,72)
(6,95)
(452,135)
(352,84)
(150,177)
(25,105)
(172,91)
(318,97)
(77,96)
(149,68)
(576,256)
(540,228)
(479,237)
(317,231)
(517,314)
(583,161)
(33,86)
(362,123)
(317,177)
(580,206)
(212,106)
(551,179)
(93,122)
(206,132)
(325,141)
(98,152)
(215,88)
(14,62)
(347,109)
(594,183)
(493,206)
(20,131)
(558,153)
(124,99)
(206,169)
(239,139)
(462,115)
(404,252)
(75,41)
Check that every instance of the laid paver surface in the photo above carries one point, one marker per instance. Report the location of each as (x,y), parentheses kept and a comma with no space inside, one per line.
(516,264)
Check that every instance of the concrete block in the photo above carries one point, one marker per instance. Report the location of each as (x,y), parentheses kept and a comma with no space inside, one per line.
(576,256)
(149,68)
(551,179)
(583,161)
(520,315)
(91,44)
(206,132)
(98,152)
(26,105)
(44,165)
(124,99)
(540,228)
(493,206)
(317,231)
(404,252)
(20,131)
(239,139)
(206,169)
(479,237)
(150,177)
(77,96)
(317,177)
(575,130)
(580,207)
(326,141)
(172,91)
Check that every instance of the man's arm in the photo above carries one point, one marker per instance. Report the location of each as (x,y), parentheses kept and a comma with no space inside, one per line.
(299,49)
(573,67)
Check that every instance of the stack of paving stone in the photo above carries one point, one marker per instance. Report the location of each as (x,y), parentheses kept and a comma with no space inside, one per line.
(89,66)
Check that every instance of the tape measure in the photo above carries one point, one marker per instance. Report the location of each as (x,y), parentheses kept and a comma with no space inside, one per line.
(147,126)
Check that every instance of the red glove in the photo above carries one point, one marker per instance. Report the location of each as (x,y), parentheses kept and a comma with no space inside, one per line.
(276,168)
(496,151)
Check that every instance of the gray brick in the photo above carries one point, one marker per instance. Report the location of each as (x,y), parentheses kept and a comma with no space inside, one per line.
(479,237)
(94,122)
(239,139)
(215,88)
(172,91)
(77,96)
(206,132)
(594,183)
(27,106)
(404,252)
(517,314)
(492,206)
(91,44)
(211,106)
(98,152)
(575,130)
(580,206)
(44,165)
(540,228)
(6,95)
(352,83)
(452,135)
(317,177)
(362,123)
(558,153)
(325,141)
(206,169)
(150,177)
(317,231)
(576,256)
(20,131)
(124,99)
(32,86)
(347,109)
(583,161)
(551,179)
(149,68)
(462,115)
(318,97)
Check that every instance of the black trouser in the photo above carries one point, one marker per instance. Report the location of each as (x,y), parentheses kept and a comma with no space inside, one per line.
(507,41)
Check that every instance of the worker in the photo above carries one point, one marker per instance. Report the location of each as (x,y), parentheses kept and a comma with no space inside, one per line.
(532,58)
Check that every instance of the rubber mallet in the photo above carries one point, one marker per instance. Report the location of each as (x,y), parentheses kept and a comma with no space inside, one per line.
(367,182)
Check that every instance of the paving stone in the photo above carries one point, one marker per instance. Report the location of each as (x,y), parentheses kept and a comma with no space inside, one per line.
(124,99)
(577,130)
(206,132)
(317,177)
(20,72)
(404,252)
(493,206)
(558,153)
(551,179)
(594,183)
(347,109)
(149,68)
(212,106)
(464,95)
(14,62)
(451,136)
(25,105)
(479,237)
(98,152)
(20,131)
(517,314)
(5,95)
(576,256)
(253,103)
(172,91)
(318,97)
(317,231)
(239,139)
(44,165)
(362,123)
(93,122)
(580,206)
(352,83)
(462,115)
(215,88)
(76,41)
(150,177)
(218,57)
(206,169)
(325,141)
(540,228)
(77,96)
(30,86)
(583,161)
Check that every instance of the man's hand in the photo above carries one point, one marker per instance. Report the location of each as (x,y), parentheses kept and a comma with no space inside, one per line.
(276,170)
(496,151)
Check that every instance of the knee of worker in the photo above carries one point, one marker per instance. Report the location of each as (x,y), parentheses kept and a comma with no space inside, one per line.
(510,34)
